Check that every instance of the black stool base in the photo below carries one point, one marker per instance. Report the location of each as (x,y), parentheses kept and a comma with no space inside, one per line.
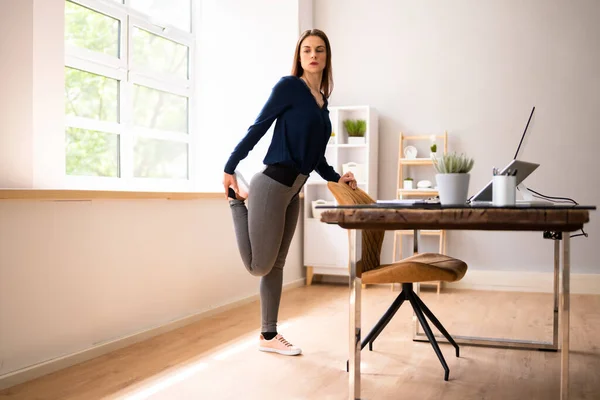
(421,311)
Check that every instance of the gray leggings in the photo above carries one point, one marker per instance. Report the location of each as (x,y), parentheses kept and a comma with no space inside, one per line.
(264,232)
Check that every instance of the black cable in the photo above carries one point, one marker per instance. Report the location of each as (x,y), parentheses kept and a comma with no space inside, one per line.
(554,201)
(554,197)
(583,233)
(566,199)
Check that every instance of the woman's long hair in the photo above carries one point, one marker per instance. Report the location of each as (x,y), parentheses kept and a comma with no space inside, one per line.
(297,70)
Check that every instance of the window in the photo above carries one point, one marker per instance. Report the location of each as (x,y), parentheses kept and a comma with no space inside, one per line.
(128,93)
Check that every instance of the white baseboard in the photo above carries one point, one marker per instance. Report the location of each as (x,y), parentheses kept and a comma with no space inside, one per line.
(47,367)
(522,281)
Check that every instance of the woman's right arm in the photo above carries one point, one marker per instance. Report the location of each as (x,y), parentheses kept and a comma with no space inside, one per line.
(278,102)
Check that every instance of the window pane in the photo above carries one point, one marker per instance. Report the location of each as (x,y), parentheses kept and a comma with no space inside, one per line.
(173,12)
(156,109)
(91,96)
(158,54)
(91,30)
(154,158)
(92,153)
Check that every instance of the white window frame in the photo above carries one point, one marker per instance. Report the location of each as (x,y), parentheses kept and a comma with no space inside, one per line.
(128,75)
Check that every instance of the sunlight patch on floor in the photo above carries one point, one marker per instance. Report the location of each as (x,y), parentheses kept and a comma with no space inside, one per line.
(187,372)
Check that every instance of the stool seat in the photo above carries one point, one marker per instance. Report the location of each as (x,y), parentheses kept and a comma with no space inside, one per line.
(418,268)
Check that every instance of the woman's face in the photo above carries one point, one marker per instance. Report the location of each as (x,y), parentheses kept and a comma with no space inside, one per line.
(313,54)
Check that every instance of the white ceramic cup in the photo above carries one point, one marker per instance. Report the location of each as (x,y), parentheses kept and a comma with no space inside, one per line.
(504,189)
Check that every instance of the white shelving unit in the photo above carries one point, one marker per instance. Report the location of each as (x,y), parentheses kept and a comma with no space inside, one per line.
(326,246)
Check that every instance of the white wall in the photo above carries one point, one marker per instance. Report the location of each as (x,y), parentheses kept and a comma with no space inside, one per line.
(305,15)
(16,130)
(32,76)
(475,69)
(48,111)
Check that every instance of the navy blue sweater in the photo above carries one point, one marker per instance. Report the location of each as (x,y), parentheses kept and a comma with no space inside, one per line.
(301,131)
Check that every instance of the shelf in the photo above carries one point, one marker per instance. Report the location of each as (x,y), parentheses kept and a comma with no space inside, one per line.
(418,192)
(416,161)
(424,137)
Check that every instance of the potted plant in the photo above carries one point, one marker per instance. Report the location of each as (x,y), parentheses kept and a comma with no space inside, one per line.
(356,129)
(332,138)
(453,178)
(433,150)
(408,183)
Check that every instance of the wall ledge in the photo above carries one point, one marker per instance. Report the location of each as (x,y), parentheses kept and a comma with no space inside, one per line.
(33,194)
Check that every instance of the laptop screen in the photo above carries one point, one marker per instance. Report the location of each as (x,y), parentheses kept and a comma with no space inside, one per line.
(524,169)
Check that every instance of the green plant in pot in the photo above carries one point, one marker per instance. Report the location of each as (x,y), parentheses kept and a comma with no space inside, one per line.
(453,177)
(433,150)
(408,183)
(356,129)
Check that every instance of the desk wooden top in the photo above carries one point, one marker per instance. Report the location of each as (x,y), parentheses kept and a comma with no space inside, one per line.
(489,219)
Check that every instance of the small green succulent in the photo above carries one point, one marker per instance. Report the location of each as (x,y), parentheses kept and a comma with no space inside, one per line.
(453,164)
(433,148)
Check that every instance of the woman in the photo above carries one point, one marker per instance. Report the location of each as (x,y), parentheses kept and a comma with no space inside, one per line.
(265,229)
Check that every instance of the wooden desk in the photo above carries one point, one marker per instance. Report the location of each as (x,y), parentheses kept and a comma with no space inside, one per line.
(559,221)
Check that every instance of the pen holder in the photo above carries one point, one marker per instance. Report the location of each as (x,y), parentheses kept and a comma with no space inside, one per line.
(504,189)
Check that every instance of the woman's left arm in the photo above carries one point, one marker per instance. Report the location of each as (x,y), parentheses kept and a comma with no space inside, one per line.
(326,171)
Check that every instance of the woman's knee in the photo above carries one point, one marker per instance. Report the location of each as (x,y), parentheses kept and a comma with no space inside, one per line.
(260,270)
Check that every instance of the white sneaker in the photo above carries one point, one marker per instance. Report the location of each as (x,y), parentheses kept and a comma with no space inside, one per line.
(278,345)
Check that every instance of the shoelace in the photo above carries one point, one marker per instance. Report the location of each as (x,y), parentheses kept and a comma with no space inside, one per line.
(285,342)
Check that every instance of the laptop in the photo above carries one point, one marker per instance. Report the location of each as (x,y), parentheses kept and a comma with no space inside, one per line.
(523,168)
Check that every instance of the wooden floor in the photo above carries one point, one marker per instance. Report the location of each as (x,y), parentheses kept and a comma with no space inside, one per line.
(216,358)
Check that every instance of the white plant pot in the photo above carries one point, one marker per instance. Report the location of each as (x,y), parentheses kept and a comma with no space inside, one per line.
(453,188)
(408,185)
(356,140)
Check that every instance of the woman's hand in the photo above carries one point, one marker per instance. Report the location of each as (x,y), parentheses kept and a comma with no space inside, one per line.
(230,181)
(348,178)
